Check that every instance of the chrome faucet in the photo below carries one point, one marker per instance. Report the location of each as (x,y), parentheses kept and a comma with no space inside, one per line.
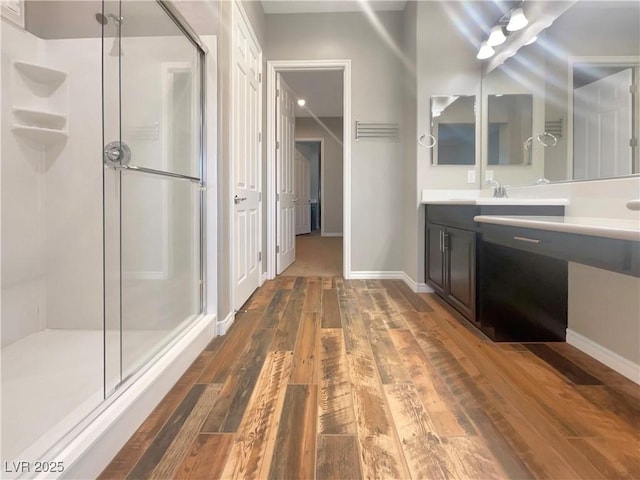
(499,191)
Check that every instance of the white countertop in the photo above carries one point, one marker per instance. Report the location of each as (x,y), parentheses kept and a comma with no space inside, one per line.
(620,229)
(496,201)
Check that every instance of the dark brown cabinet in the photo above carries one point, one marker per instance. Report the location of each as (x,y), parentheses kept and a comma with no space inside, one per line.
(451,266)
(472,278)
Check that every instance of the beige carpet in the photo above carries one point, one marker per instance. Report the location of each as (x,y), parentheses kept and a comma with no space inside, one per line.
(317,256)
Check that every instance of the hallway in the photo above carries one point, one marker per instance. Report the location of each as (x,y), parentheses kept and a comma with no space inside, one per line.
(329,378)
(316,256)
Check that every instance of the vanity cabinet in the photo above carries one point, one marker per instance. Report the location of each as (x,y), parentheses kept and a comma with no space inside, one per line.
(451,254)
(457,265)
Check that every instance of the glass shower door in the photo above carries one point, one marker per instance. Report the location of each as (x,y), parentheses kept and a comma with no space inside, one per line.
(152,155)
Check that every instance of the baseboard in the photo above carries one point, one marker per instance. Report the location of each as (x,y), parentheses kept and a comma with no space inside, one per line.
(263,278)
(609,358)
(415,286)
(329,234)
(373,275)
(224,325)
(91,449)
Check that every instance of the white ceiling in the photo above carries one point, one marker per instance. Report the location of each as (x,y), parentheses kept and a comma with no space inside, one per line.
(321,89)
(326,6)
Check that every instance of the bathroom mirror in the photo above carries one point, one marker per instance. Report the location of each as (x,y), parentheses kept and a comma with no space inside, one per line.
(590,52)
(509,129)
(453,129)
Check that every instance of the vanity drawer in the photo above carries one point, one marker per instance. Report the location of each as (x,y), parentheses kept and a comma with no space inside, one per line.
(619,256)
(460,216)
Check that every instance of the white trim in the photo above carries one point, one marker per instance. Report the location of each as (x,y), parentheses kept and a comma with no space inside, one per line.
(331,234)
(415,286)
(263,278)
(274,67)
(223,327)
(92,448)
(376,275)
(610,358)
(611,60)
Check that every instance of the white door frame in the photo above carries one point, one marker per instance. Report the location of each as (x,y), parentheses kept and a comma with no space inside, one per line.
(307,65)
(631,61)
(319,140)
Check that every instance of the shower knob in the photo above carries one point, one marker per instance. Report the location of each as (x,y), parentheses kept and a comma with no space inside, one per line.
(116,153)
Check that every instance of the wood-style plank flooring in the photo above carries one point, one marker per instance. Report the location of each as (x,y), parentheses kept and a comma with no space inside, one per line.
(316,256)
(323,378)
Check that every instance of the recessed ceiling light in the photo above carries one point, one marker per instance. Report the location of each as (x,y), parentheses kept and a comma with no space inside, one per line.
(302,102)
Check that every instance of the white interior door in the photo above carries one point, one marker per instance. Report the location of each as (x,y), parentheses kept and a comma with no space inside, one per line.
(602,123)
(302,199)
(285,206)
(245,153)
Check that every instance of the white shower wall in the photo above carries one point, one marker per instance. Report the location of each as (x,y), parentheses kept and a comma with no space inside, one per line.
(52,201)
(73,207)
(23,273)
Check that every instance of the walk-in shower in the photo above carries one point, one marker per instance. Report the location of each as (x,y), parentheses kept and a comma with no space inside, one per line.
(102,207)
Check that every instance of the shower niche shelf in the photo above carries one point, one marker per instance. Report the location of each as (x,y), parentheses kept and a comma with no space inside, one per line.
(40,136)
(40,73)
(40,92)
(29,117)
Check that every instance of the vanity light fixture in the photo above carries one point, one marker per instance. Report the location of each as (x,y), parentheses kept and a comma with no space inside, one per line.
(486,51)
(517,20)
(496,37)
(510,22)
(533,40)
(302,102)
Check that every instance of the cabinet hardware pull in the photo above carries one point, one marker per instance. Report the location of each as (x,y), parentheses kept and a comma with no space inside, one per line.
(525,239)
(440,238)
(445,238)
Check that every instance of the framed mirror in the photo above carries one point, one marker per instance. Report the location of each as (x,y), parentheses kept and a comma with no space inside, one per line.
(453,129)
(582,73)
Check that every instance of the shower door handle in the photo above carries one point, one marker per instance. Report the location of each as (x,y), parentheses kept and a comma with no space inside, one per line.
(116,153)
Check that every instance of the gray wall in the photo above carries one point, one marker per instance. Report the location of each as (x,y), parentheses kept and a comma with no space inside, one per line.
(307,127)
(454,71)
(410,133)
(376,185)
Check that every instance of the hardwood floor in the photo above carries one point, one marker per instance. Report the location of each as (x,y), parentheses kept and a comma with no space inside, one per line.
(332,379)
(316,256)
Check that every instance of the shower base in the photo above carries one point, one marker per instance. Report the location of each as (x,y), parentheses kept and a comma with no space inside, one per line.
(52,379)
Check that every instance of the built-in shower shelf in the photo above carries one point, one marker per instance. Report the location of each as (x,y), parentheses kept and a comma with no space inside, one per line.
(41,136)
(39,118)
(40,73)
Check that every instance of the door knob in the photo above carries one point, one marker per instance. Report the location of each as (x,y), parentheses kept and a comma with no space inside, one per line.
(238,199)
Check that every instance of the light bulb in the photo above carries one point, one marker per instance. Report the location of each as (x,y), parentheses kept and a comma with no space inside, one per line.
(517,21)
(496,37)
(533,40)
(486,51)
(302,102)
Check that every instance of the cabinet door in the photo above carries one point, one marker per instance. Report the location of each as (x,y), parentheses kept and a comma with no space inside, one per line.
(460,249)
(435,257)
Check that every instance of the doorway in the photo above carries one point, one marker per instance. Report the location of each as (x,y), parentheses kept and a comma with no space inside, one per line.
(309,154)
(339,132)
